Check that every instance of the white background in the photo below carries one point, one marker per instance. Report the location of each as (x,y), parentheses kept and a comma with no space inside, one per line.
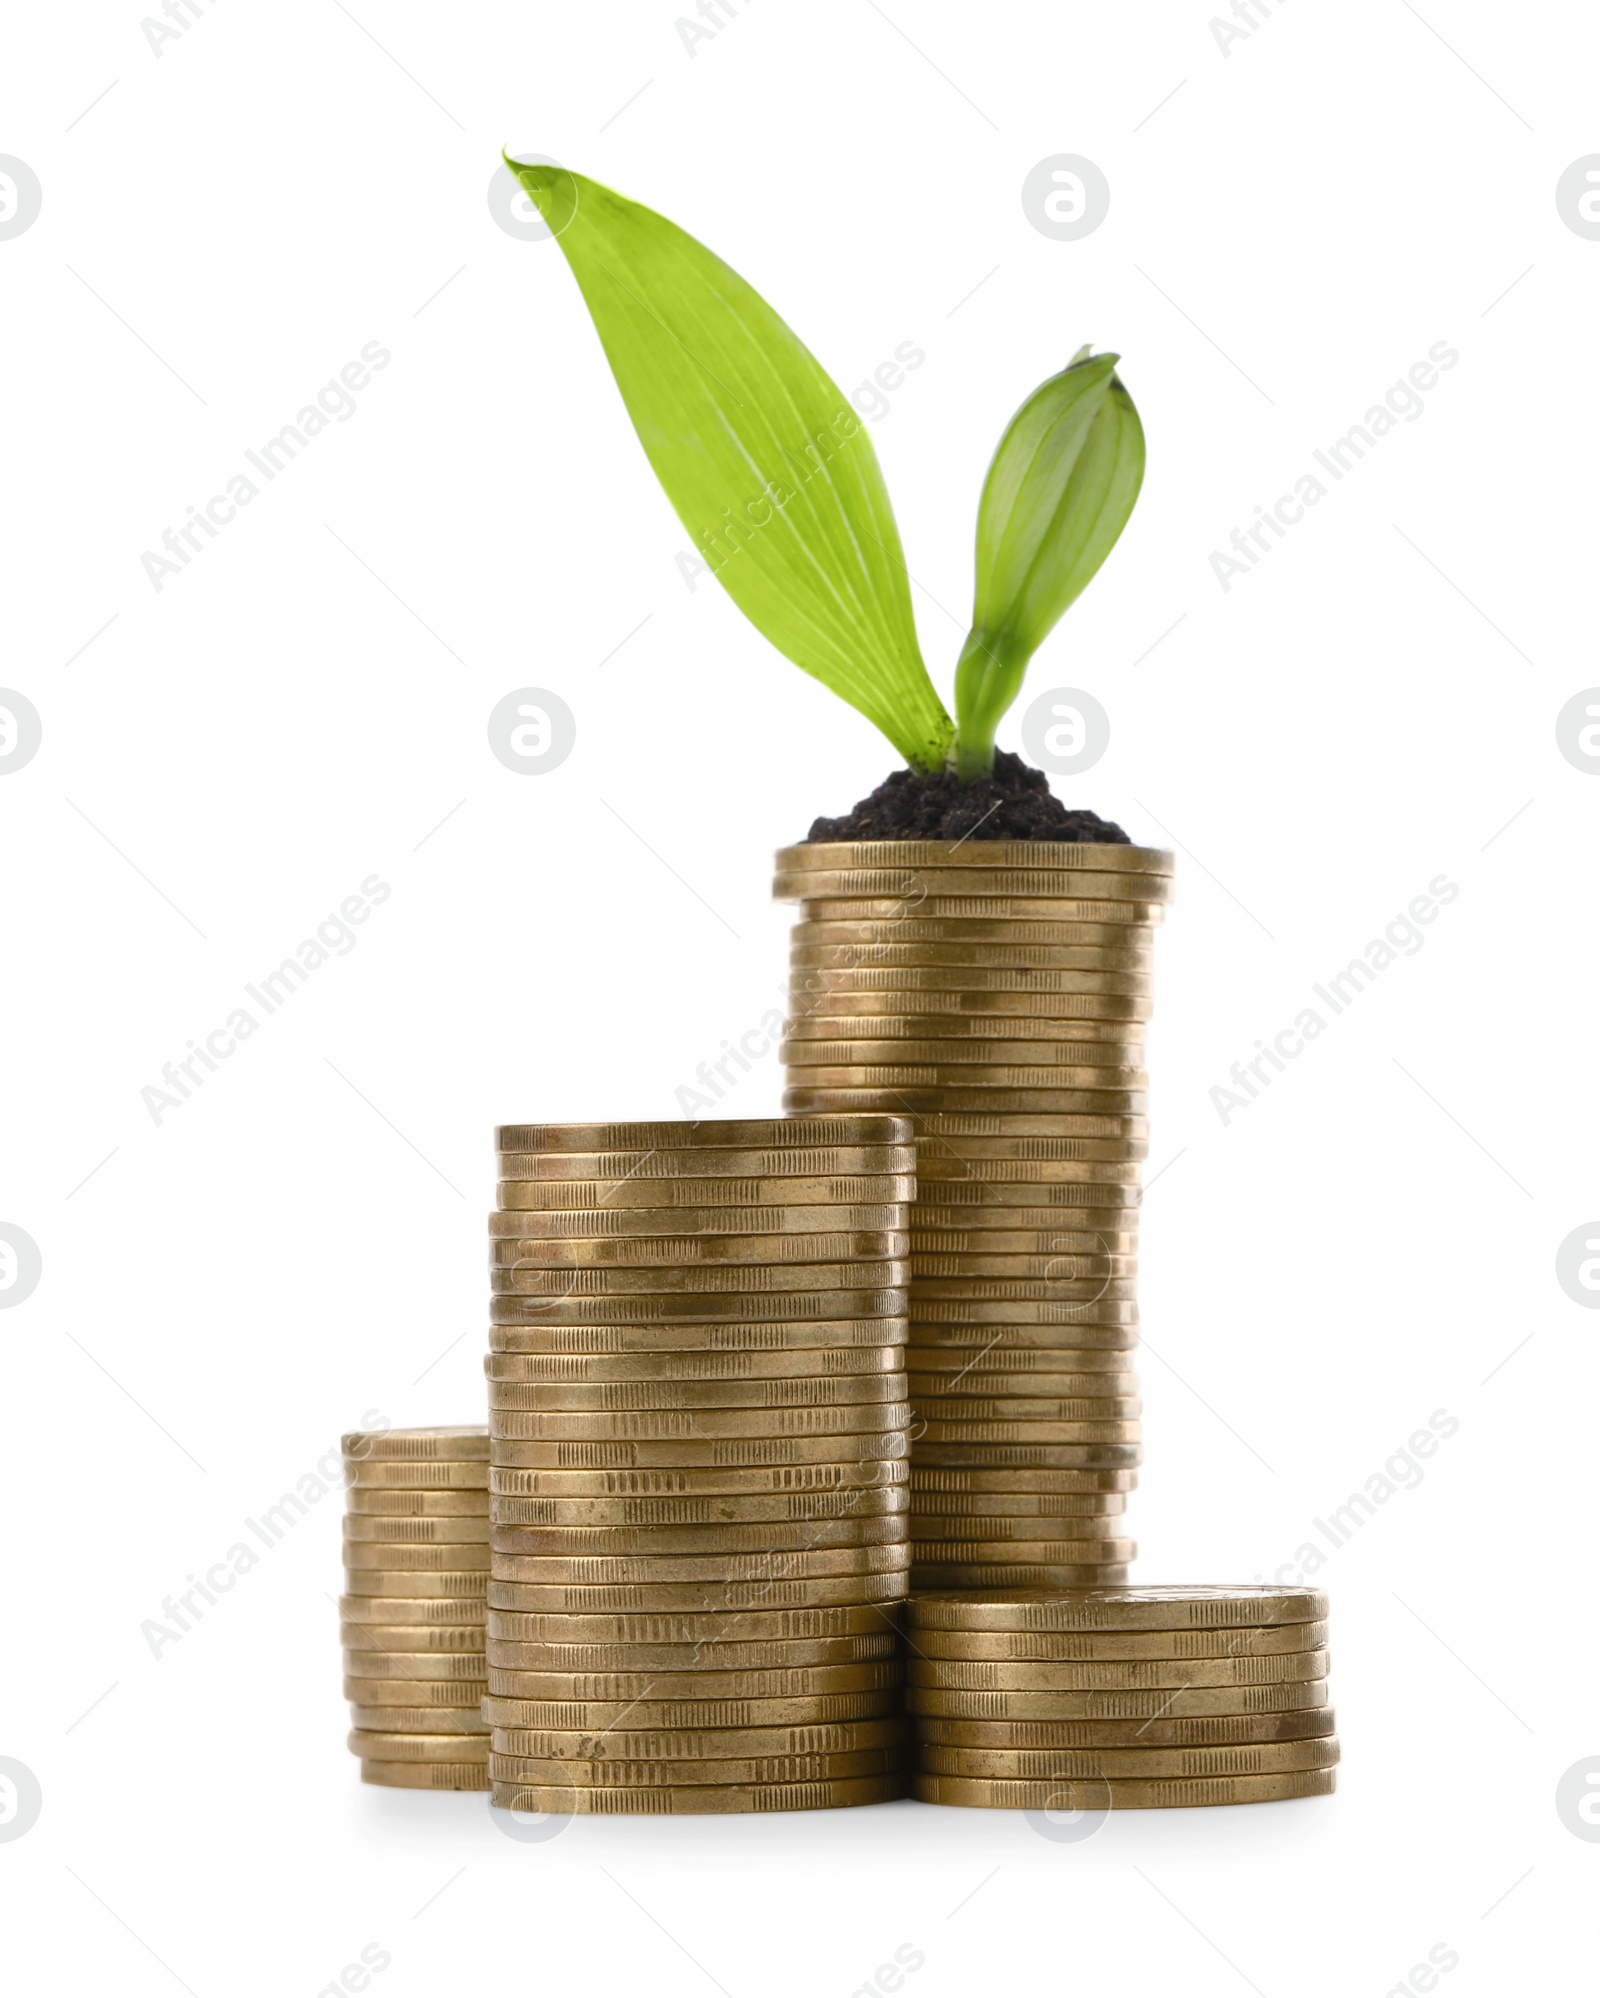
(1292,226)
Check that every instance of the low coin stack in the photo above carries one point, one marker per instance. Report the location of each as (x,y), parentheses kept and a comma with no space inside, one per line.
(698,1482)
(1121,1699)
(995,992)
(412,1619)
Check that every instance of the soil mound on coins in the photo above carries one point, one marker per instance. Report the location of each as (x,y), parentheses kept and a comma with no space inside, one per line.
(1013,802)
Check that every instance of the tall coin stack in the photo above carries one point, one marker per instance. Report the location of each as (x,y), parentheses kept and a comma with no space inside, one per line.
(1121,1699)
(698,1413)
(996,993)
(412,1619)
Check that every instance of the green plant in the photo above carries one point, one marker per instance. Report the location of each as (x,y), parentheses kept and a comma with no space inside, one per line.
(776,480)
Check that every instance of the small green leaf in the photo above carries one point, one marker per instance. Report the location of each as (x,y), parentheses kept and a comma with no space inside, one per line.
(766,464)
(1059,491)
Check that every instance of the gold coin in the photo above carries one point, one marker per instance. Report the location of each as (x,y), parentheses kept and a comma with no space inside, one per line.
(703,1425)
(970,1038)
(973,978)
(1025,1290)
(899,876)
(681,1253)
(434,1560)
(611,1772)
(1002,1311)
(942,1429)
(841,1477)
(709,1162)
(417,1667)
(1039,1646)
(1064,1142)
(724,1598)
(1021,1456)
(1201,1731)
(925,1480)
(940,1164)
(1079,1392)
(770,1336)
(416,1446)
(416,1532)
(792,1684)
(950,1204)
(522,1655)
(928,1552)
(1156,1703)
(694,1628)
(836,1391)
(792,1537)
(733,1224)
(1110,856)
(472,1775)
(929,1528)
(380,1745)
(929,1508)
(416,1477)
(998,1574)
(1100,1370)
(795,1536)
(1097,1794)
(455,1585)
(968,1404)
(919,1078)
(694,1744)
(713,1453)
(1069,1345)
(457,1694)
(785,1279)
(970,931)
(795,1480)
(700,1800)
(1245,1605)
(817,1710)
(877,1190)
(975,1675)
(907,955)
(932,1004)
(979,1251)
(658,1570)
(697,1132)
(467,1721)
(811,1365)
(1038,1102)
(936,906)
(382,1504)
(792,1308)
(952,1054)
(444,1612)
(860,1502)
(1081,1266)
(461,1639)
(1085,1765)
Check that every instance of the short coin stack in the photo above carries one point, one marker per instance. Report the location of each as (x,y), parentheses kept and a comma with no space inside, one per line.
(698,1412)
(1121,1699)
(412,1620)
(996,993)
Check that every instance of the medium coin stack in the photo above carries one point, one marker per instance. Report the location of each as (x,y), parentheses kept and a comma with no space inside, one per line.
(412,1619)
(996,993)
(698,1484)
(1121,1699)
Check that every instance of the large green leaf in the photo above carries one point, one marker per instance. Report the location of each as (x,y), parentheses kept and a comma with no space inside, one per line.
(1059,491)
(764,460)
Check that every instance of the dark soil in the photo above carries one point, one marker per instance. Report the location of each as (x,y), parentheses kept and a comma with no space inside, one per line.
(1013,802)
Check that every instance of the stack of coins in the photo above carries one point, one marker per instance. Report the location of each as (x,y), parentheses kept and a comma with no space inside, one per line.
(1121,1699)
(996,993)
(698,1419)
(412,1619)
